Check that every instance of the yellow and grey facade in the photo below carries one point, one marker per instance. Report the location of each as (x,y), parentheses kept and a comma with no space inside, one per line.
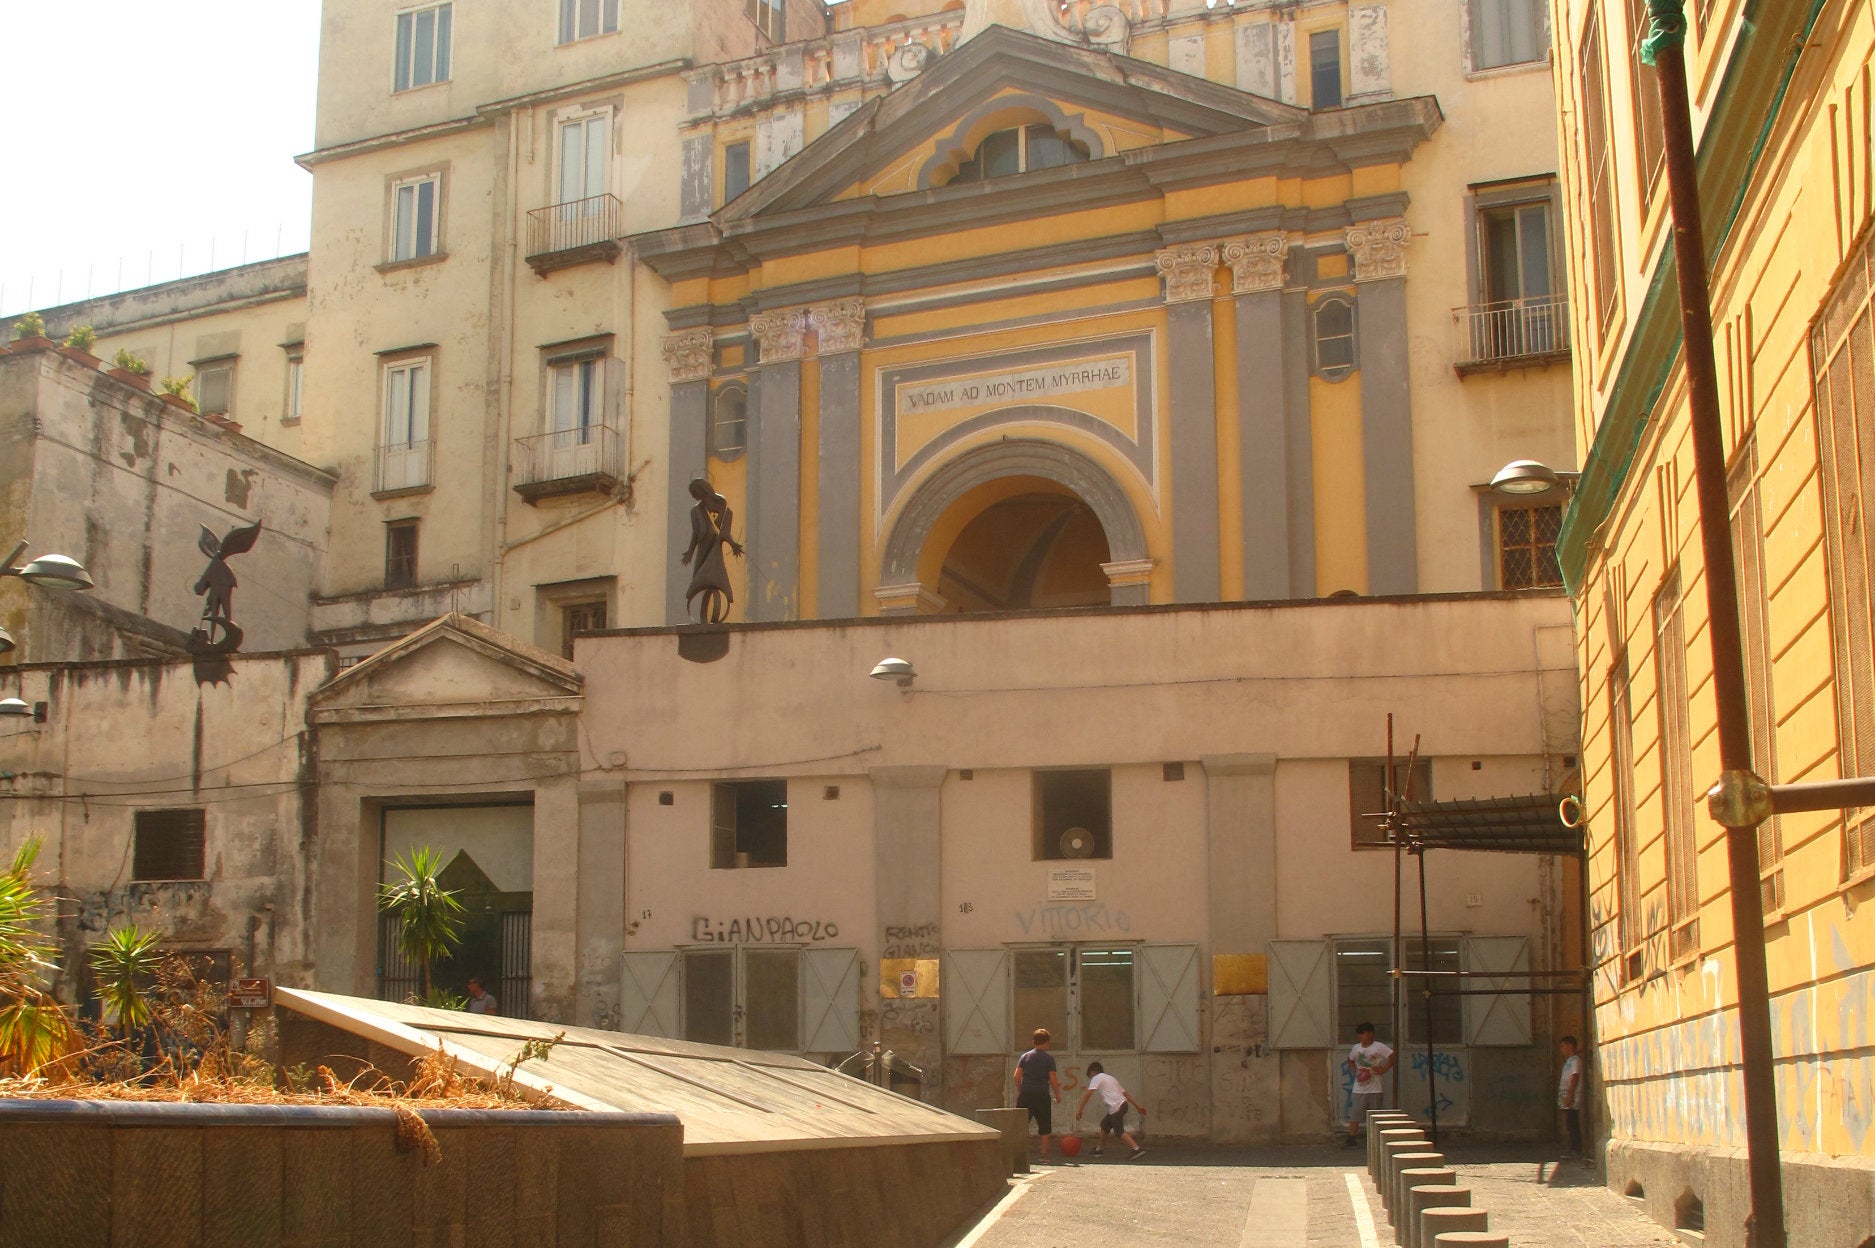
(1780,106)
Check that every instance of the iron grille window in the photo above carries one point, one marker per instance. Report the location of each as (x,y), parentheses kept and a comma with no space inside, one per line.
(579,617)
(1363,987)
(1440,1020)
(170,845)
(1073,814)
(1754,608)
(1676,769)
(1842,359)
(1600,171)
(400,554)
(1367,795)
(1526,546)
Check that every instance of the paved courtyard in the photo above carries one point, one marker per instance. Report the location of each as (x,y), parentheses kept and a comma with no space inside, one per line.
(1294,1198)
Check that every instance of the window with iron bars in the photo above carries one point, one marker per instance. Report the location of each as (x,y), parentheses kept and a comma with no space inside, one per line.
(1526,546)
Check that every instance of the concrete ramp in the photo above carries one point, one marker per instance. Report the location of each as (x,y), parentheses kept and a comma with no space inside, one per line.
(776,1150)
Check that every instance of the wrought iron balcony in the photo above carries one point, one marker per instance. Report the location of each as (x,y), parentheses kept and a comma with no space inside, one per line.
(576,232)
(568,461)
(1512,333)
(404,467)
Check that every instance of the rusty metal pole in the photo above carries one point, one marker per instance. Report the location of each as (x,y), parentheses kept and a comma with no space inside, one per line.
(1764,1227)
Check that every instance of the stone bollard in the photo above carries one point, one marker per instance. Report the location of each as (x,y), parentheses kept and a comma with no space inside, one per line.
(1446,1219)
(1431,1194)
(1414,1159)
(1471,1239)
(1389,1137)
(1424,1174)
(1014,1124)
(1383,1120)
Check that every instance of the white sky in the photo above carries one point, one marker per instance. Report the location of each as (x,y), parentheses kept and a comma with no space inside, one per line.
(157,128)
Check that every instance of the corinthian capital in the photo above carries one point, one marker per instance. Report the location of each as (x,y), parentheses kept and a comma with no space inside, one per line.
(780,333)
(1379,248)
(1256,262)
(1187,270)
(690,354)
(838,326)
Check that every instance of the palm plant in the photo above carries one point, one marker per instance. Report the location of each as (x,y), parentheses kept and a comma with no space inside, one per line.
(429,918)
(34,1029)
(127,955)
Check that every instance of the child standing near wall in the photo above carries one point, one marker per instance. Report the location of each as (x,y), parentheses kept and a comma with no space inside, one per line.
(1569,1094)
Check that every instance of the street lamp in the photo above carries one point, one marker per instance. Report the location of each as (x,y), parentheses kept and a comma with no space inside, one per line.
(897,670)
(1525,477)
(47,571)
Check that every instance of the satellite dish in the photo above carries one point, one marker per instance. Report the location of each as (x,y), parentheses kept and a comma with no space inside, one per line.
(1077,843)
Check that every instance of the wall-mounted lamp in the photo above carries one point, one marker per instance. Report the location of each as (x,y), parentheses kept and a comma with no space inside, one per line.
(48,571)
(19,708)
(1525,477)
(896,670)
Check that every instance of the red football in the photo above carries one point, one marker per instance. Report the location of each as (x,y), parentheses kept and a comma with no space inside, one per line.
(1070,1146)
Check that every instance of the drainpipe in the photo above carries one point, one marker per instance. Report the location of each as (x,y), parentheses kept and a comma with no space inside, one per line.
(1764,1227)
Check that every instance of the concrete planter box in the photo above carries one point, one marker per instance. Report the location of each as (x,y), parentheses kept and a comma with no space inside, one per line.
(74,1174)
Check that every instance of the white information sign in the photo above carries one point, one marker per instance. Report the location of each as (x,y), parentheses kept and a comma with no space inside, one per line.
(1071,884)
(1106,373)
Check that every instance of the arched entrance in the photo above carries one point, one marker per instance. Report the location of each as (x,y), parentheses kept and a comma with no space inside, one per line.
(1019,525)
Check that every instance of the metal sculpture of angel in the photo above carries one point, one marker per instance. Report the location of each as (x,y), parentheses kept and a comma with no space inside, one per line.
(217,633)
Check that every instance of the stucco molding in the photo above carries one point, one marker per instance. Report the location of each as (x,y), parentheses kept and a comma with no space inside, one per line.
(1379,248)
(691,354)
(911,598)
(1187,270)
(838,326)
(1238,764)
(781,334)
(1021,457)
(1257,261)
(907,776)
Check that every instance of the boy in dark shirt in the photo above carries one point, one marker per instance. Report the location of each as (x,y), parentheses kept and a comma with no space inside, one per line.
(1038,1088)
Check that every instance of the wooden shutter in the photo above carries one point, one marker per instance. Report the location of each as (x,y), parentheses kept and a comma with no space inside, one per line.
(830,1000)
(648,993)
(976,1001)
(1169,1001)
(1501,1020)
(1301,994)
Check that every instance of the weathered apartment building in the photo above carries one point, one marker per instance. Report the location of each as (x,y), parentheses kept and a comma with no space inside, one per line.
(1135,373)
(1780,102)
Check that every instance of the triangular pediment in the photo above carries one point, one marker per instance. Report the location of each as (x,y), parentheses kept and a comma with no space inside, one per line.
(454,666)
(1117,103)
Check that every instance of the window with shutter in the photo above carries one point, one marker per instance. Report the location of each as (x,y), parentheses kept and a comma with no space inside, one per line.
(648,993)
(976,1002)
(1496,961)
(1170,1001)
(1301,1000)
(170,845)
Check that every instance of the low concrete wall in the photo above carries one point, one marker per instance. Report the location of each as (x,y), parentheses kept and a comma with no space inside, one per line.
(1829,1202)
(872,1196)
(85,1174)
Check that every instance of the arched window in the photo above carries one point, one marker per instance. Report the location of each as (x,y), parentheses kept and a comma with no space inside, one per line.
(1334,338)
(1021,149)
(729,420)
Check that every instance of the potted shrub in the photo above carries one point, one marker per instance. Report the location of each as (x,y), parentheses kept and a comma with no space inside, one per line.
(130,368)
(78,344)
(176,392)
(29,334)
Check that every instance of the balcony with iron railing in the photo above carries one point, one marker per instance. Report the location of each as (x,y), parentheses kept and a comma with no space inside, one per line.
(404,468)
(576,232)
(1511,333)
(568,461)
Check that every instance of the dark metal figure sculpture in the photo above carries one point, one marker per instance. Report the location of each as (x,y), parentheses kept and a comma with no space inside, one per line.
(217,633)
(710,521)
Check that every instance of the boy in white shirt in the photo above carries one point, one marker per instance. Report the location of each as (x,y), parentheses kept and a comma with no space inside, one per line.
(1370,1060)
(1569,1094)
(1116,1099)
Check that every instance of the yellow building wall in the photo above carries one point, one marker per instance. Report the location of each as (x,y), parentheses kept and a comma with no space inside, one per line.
(1666,1024)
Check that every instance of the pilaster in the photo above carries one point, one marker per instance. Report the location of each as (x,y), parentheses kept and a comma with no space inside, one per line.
(839,330)
(1379,251)
(1189,270)
(774,471)
(691,356)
